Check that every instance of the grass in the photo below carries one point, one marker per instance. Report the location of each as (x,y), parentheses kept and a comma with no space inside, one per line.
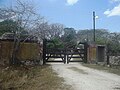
(31,78)
(104,68)
(78,70)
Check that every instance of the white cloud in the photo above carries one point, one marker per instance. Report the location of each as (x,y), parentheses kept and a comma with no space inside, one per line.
(107,12)
(115,0)
(72,2)
(114,12)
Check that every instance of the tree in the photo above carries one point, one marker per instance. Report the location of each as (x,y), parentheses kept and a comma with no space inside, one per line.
(7,26)
(69,37)
(25,17)
(84,35)
(55,30)
(56,43)
(113,44)
(41,30)
(87,35)
(48,31)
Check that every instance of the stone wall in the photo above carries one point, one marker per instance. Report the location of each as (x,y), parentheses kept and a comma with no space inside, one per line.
(114,60)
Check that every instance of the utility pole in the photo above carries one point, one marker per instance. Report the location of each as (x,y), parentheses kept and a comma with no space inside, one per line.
(94,26)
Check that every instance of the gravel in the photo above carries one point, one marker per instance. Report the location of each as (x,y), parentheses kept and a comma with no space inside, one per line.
(84,78)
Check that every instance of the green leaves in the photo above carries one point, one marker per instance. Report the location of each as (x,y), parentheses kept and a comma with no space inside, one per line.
(7,26)
(69,38)
(56,43)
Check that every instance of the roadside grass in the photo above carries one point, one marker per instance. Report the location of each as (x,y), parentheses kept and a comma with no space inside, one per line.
(104,68)
(31,78)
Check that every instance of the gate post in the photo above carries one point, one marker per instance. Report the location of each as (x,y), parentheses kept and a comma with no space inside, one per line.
(64,55)
(44,51)
(85,53)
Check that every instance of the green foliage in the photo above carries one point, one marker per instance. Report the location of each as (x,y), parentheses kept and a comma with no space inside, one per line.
(100,41)
(7,26)
(56,43)
(10,26)
(113,47)
(113,44)
(69,38)
(87,35)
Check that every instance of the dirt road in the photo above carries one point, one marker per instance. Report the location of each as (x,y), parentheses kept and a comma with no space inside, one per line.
(84,78)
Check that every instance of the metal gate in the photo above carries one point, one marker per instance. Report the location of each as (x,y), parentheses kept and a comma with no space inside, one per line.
(66,55)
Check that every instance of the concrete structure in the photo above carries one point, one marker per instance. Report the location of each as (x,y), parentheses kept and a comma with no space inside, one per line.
(96,53)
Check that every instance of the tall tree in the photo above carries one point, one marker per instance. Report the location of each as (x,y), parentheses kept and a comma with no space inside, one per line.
(56,30)
(69,37)
(48,31)
(25,17)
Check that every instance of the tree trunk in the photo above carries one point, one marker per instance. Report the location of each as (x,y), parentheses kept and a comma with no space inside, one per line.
(14,60)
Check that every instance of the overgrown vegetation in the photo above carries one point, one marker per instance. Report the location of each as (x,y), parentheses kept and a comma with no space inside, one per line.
(31,78)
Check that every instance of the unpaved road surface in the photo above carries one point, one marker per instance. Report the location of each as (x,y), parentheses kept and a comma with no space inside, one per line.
(84,78)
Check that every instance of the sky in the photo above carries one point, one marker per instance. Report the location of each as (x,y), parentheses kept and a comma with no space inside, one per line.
(78,14)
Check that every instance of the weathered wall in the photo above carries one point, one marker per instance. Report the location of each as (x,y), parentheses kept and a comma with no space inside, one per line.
(96,53)
(6,51)
(27,51)
(92,53)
